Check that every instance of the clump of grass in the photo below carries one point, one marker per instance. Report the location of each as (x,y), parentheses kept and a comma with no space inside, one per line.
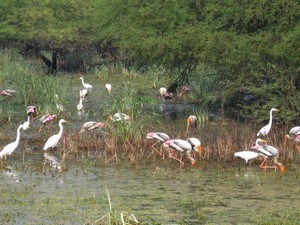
(114,217)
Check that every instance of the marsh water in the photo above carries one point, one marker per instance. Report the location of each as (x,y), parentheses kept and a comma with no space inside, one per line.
(158,193)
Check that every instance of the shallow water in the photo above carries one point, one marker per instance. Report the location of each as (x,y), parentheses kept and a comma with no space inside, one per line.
(158,193)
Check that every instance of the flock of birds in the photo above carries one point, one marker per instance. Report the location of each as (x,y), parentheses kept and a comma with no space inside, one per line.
(187,147)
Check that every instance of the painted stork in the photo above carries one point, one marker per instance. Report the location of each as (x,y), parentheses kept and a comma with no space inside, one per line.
(118,117)
(160,138)
(295,135)
(46,120)
(91,125)
(192,121)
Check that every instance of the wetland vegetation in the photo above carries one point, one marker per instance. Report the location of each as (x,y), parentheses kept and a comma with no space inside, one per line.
(239,60)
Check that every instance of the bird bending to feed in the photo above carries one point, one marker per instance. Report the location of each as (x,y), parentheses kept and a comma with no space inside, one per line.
(117,117)
(32,111)
(8,92)
(160,137)
(91,125)
(266,129)
(191,122)
(295,135)
(46,120)
(249,154)
(10,148)
(162,91)
(53,140)
(86,85)
(184,147)
(108,88)
(268,152)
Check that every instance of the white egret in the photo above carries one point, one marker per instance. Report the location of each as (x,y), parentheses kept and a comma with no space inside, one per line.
(86,85)
(59,106)
(108,88)
(266,129)
(83,93)
(26,124)
(246,155)
(10,148)
(80,105)
(53,140)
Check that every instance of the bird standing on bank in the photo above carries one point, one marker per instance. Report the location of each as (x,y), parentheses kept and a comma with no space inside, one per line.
(108,88)
(91,125)
(86,85)
(53,140)
(32,111)
(192,122)
(10,148)
(266,129)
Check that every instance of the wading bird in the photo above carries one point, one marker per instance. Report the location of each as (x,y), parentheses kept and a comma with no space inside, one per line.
(184,147)
(8,92)
(59,106)
(31,111)
(26,124)
(266,129)
(191,122)
(108,88)
(86,85)
(248,154)
(46,120)
(295,135)
(160,138)
(80,105)
(269,153)
(83,93)
(91,125)
(118,117)
(53,140)
(10,148)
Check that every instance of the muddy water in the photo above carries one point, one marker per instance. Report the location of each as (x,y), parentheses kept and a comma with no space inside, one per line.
(158,193)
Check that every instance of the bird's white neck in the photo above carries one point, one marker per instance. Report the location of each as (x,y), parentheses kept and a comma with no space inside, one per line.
(61,129)
(271,117)
(18,134)
(82,81)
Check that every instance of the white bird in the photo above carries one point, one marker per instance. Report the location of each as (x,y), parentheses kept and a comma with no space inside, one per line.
(83,93)
(246,155)
(53,140)
(117,117)
(184,147)
(86,85)
(162,91)
(59,106)
(91,125)
(80,105)
(26,124)
(266,129)
(160,137)
(108,88)
(10,148)
(268,152)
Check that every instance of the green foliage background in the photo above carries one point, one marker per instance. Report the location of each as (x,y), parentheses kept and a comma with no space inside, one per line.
(219,47)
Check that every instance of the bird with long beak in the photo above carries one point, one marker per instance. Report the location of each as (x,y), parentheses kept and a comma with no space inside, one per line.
(91,125)
(269,153)
(294,134)
(184,147)
(192,122)
(31,111)
(46,120)
(108,88)
(266,129)
(160,138)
